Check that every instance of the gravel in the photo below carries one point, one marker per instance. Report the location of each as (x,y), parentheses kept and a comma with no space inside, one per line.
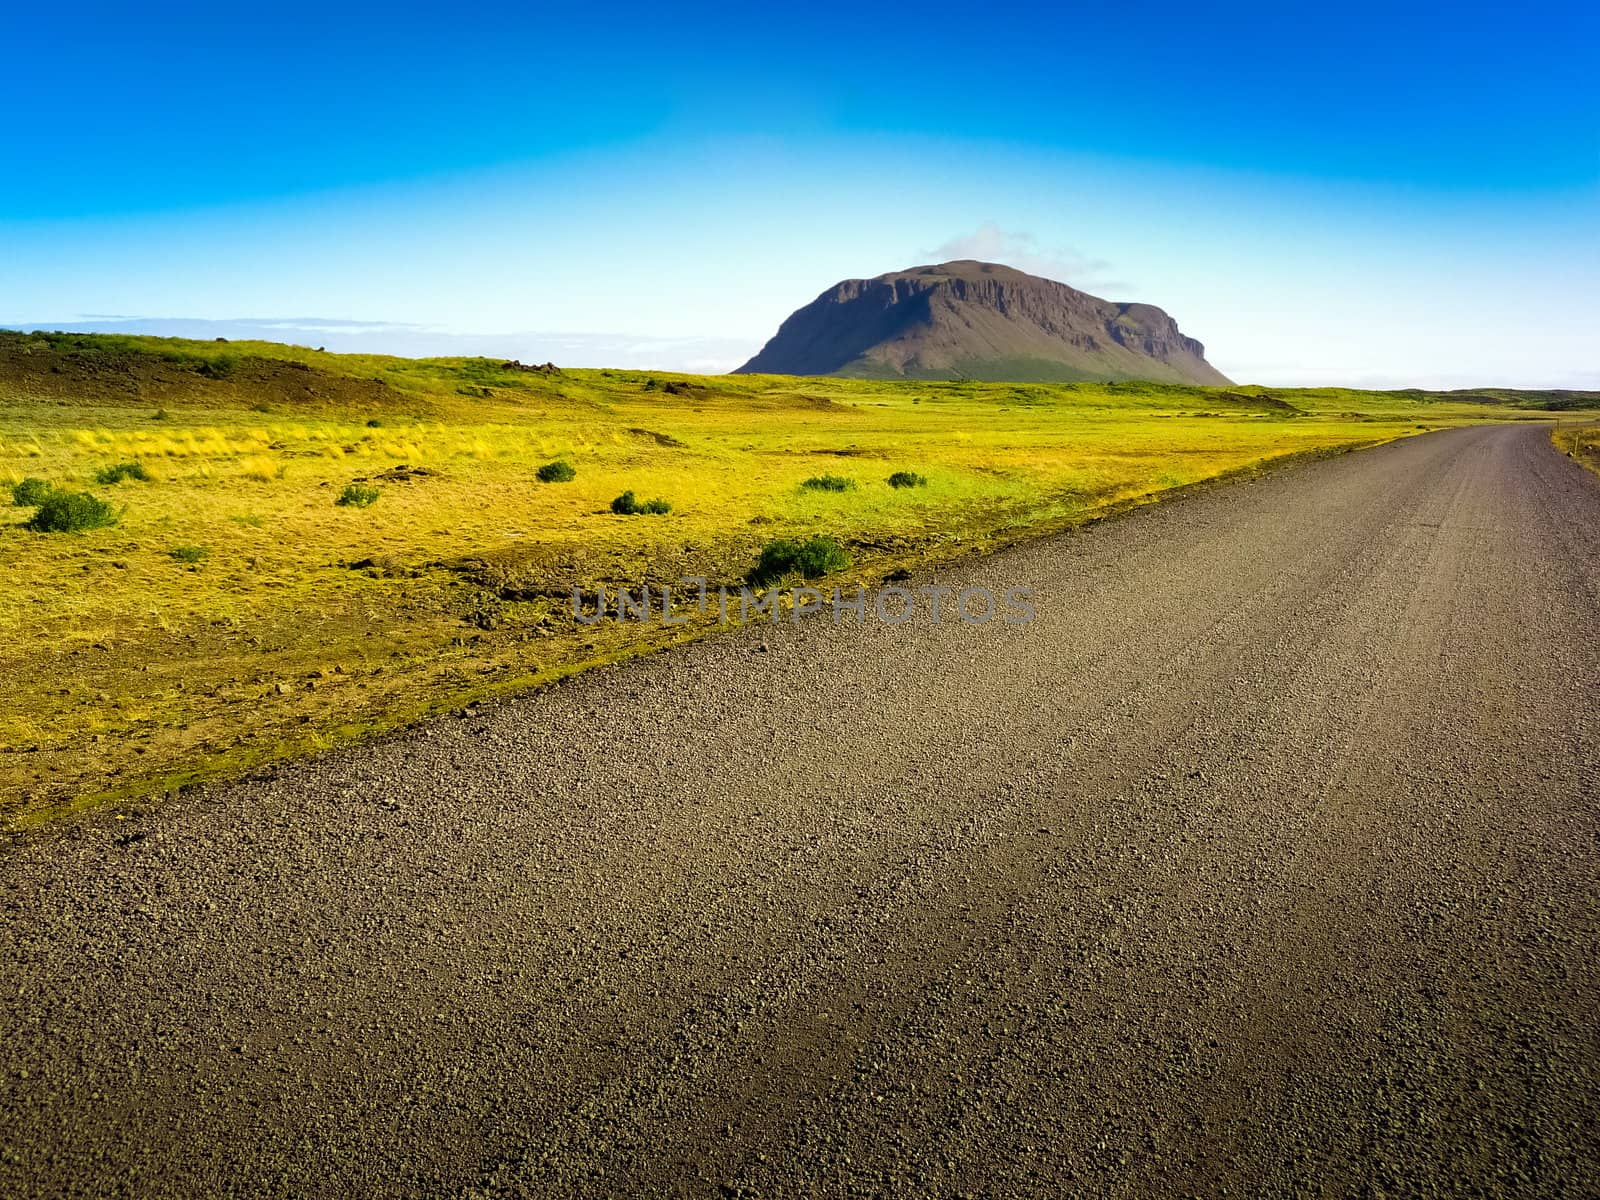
(1263,862)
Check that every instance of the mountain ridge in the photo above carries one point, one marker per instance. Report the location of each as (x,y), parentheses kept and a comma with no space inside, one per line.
(974,320)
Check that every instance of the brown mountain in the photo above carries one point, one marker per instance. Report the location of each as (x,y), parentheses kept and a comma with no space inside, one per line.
(976,320)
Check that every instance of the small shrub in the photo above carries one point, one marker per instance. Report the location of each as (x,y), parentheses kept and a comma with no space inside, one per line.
(160,414)
(905,479)
(190,554)
(71,512)
(557,472)
(357,495)
(374,423)
(121,471)
(810,559)
(220,367)
(31,492)
(828,483)
(630,506)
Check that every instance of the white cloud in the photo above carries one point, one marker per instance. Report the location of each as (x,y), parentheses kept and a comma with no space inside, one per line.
(1020,249)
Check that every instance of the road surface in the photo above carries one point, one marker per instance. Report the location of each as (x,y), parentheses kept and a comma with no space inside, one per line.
(1263,862)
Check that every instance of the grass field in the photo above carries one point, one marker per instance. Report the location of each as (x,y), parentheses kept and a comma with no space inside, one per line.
(236,613)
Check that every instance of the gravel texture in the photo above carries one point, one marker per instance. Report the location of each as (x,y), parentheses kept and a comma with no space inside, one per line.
(1263,862)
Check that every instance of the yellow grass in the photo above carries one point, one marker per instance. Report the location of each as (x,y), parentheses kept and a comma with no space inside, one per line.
(127,670)
(1581,442)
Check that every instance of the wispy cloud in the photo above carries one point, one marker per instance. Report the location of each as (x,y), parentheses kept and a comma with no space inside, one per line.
(1023,250)
(1293,373)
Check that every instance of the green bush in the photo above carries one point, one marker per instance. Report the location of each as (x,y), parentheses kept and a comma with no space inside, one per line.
(357,495)
(629,506)
(121,471)
(828,483)
(905,479)
(31,492)
(814,557)
(190,554)
(557,472)
(70,512)
(220,367)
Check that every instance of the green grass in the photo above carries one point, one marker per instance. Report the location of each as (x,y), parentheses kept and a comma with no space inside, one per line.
(120,670)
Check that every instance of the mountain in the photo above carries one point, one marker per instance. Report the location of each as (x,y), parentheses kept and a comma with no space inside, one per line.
(976,320)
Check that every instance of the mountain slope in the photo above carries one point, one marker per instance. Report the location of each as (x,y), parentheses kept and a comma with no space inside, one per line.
(974,320)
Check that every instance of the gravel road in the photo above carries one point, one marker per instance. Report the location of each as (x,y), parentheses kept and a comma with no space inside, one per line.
(1263,862)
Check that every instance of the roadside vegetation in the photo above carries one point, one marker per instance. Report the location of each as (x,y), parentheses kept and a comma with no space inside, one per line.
(228,609)
(1580,442)
(791,558)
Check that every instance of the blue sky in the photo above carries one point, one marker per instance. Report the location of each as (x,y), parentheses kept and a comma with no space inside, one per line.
(1356,194)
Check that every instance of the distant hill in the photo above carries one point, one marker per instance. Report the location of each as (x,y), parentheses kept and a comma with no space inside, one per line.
(140,372)
(136,371)
(976,320)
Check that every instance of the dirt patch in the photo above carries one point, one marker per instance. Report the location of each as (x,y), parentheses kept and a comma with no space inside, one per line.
(401,474)
(1262,401)
(660,439)
(527,573)
(803,400)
